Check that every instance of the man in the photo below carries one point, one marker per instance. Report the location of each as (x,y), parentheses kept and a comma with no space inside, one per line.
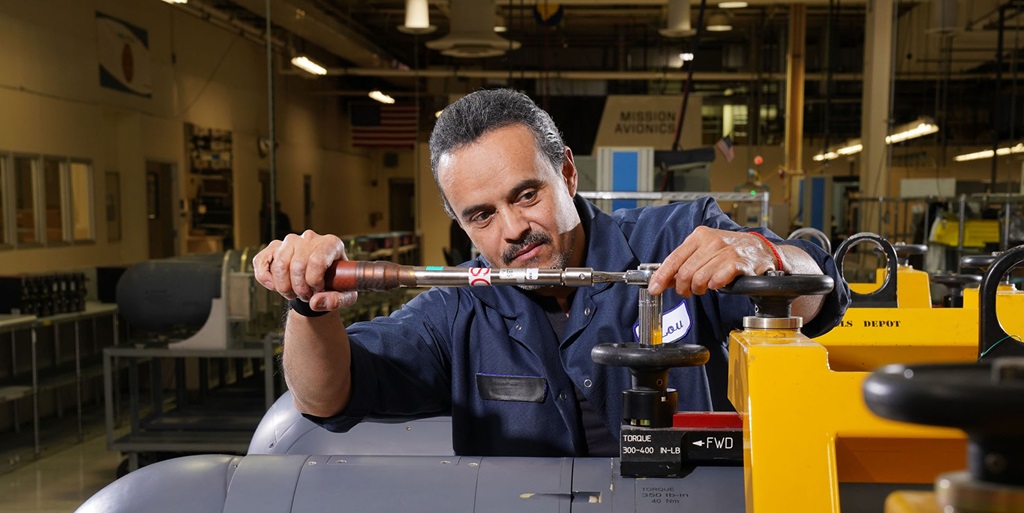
(282,224)
(512,365)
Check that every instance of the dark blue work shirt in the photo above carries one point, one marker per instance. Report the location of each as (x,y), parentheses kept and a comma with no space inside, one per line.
(489,356)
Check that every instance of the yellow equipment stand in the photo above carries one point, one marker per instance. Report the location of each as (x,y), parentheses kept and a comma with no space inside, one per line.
(878,329)
(805,428)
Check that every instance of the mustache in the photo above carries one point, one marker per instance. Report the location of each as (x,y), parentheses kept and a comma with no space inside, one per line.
(531,238)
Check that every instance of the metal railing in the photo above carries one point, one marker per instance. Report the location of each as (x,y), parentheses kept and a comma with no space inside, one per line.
(667,197)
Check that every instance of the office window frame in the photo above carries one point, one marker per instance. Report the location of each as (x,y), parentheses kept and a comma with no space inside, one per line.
(6,208)
(90,201)
(37,218)
(62,200)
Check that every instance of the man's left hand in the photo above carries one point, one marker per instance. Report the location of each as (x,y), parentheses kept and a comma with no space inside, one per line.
(709,259)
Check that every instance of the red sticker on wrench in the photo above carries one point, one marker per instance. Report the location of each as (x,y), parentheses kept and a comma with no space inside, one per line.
(480,276)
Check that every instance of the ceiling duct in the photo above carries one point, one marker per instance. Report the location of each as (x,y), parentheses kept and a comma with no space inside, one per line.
(943,17)
(472,34)
(678,21)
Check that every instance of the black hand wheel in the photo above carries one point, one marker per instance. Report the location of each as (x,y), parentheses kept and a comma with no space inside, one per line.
(904,251)
(815,235)
(661,356)
(956,284)
(984,399)
(773,295)
(885,296)
(982,262)
(649,402)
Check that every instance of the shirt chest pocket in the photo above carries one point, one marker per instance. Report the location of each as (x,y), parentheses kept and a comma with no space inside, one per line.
(502,387)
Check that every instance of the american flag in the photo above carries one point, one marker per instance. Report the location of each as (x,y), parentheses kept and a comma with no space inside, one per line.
(724,145)
(382,125)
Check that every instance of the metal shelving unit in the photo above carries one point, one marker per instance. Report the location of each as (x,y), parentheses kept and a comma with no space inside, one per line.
(55,366)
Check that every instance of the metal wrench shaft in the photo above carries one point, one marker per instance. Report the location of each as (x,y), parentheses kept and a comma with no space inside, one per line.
(346,275)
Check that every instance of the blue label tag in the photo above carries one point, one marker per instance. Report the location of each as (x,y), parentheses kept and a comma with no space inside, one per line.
(435,268)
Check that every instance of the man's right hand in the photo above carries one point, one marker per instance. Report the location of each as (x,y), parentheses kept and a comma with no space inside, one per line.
(295,268)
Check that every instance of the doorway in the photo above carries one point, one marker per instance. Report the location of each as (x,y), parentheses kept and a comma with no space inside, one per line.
(307,202)
(401,205)
(160,210)
(265,206)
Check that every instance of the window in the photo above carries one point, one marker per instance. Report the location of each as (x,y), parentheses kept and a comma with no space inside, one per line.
(52,184)
(3,201)
(80,191)
(52,200)
(25,200)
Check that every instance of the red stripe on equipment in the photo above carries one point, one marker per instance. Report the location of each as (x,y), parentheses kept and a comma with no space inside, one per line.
(705,420)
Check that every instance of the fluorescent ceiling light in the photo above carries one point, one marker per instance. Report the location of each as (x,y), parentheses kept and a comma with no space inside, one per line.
(848,148)
(176,1)
(732,5)
(308,66)
(851,149)
(686,57)
(987,154)
(500,28)
(919,128)
(381,97)
(438,113)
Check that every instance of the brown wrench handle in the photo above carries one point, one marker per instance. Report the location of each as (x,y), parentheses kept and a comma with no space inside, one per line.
(348,275)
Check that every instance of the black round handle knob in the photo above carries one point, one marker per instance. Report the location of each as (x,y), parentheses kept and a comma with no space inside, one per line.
(984,399)
(905,250)
(661,356)
(773,294)
(787,285)
(978,261)
(649,402)
(954,280)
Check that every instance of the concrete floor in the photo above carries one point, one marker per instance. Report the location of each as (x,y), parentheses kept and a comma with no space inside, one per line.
(59,482)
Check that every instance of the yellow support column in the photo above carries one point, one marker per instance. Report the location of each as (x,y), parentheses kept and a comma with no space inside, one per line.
(795,88)
(874,161)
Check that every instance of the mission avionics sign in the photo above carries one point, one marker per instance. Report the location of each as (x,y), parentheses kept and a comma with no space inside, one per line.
(648,121)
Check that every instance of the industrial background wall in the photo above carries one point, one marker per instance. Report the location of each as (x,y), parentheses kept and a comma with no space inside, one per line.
(51,103)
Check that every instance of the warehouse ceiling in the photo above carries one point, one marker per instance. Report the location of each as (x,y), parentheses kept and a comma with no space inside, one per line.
(598,47)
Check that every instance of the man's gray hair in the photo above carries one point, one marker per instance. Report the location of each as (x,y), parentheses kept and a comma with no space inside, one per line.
(477,113)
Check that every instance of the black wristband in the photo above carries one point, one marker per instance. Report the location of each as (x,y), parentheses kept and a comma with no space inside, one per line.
(302,308)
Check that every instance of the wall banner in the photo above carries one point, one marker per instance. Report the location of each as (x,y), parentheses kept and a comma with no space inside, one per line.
(123,53)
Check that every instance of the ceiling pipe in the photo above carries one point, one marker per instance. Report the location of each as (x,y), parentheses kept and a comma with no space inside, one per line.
(608,75)
(226,21)
(306,19)
(606,3)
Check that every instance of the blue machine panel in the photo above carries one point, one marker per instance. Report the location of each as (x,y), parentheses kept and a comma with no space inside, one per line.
(625,176)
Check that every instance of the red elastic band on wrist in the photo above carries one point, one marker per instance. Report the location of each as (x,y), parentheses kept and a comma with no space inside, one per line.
(775,251)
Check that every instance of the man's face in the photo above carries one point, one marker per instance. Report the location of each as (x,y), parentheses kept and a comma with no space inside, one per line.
(515,207)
